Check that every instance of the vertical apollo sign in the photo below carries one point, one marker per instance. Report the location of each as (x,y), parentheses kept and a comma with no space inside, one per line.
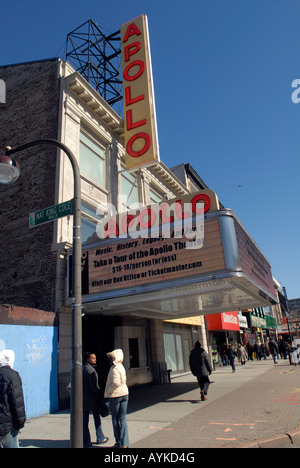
(141,142)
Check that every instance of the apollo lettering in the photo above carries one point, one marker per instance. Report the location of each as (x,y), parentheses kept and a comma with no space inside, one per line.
(132,72)
(140,131)
(166,220)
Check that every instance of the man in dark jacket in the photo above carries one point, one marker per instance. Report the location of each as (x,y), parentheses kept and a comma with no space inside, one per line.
(274,350)
(92,395)
(201,368)
(12,408)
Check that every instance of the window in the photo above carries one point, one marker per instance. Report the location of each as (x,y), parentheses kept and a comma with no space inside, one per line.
(92,160)
(173,351)
(155,196)
(129,190)
(89,220)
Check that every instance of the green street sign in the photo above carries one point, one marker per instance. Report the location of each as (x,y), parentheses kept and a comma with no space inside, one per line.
(50,214)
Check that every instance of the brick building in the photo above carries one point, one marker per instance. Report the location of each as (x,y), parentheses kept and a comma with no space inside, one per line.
(31,110)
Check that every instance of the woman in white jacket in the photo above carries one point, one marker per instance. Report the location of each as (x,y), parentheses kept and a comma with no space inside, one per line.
(117,392)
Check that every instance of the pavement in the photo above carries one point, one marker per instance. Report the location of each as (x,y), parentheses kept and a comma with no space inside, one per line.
(258,406)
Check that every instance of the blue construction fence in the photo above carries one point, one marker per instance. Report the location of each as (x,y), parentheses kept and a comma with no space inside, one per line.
(36,360)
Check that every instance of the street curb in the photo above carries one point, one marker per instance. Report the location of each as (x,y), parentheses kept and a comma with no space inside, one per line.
(285,440)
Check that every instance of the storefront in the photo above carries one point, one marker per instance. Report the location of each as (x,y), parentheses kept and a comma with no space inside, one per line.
(243,322)
(179,338)
(271,327)
(222,329)
(261,326)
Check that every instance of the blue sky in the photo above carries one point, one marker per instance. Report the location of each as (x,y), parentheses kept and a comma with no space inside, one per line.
(223,71)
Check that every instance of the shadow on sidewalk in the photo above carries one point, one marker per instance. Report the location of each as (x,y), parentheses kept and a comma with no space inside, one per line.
(141,398)
(43,443)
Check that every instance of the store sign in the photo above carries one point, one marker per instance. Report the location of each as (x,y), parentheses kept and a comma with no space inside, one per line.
(243,321)
(270,322)
(223,321)
(258,322)
(141,142)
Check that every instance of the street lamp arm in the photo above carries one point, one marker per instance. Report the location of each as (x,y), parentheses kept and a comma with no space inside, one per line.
(50,141)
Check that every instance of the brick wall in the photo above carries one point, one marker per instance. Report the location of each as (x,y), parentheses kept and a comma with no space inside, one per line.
(31,112)
(14,315)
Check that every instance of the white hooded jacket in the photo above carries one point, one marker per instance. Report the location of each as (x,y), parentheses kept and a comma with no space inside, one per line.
(116,379)
(7,358)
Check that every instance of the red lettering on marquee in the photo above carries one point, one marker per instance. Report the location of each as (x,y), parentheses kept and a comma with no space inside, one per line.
(137,63)
(129,124)
(126,222)
(181,214)
(151,218)
(138,105)
(204,198)
(111,229)
(146,217)
(131,30)
(131,49)
(147,144)
(129,100)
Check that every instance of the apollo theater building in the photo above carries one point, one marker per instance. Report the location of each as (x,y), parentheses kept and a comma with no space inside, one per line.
(159,251)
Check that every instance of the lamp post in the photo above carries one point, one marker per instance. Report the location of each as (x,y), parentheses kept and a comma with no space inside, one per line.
(9,172)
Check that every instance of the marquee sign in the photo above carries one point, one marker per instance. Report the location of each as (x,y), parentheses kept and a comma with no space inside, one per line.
(136,262)
(159,276)
(141,142)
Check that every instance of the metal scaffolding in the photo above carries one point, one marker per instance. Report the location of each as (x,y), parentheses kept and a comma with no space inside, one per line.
(97,57)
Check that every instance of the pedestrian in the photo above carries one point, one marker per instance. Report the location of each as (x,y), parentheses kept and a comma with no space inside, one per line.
(283,349)
(274,350)
(223,354)
(242,354)
(267,349)
(257,350)
(12,407)
(92,395)
(250,351)
(201,368)
(263,351)
(231,353)
(116,391)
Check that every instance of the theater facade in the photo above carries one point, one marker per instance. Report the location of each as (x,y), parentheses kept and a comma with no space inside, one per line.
(159,251)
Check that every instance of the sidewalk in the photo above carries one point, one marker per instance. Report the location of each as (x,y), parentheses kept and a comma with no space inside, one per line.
(255,407)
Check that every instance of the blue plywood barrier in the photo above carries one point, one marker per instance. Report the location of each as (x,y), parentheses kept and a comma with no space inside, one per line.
(36,361)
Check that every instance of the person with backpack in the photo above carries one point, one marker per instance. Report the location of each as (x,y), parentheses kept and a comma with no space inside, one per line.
(201,368)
